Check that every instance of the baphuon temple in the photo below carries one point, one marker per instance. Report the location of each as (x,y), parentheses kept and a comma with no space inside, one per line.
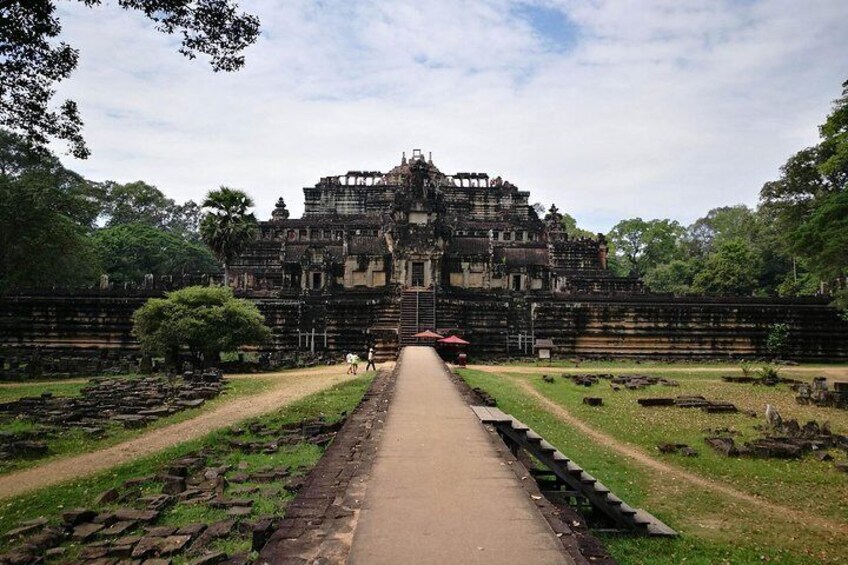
(416,228)
(378,257)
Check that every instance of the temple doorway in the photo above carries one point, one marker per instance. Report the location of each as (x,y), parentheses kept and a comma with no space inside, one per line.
(417,274)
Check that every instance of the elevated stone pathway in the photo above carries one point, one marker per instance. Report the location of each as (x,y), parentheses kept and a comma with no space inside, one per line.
(439,491)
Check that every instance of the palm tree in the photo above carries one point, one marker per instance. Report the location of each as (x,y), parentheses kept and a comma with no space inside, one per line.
(227,228)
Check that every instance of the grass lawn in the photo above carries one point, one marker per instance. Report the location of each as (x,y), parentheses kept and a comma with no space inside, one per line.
(714,527)
(271,499)
(10,392)
(73,441)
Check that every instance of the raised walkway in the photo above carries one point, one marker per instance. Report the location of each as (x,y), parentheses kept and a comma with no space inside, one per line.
(439,491)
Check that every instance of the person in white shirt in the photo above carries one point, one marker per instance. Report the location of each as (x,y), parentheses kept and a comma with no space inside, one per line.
(370,364)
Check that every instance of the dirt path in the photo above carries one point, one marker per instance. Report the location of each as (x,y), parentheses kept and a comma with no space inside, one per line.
(289,387)
(647,461)
(834,372)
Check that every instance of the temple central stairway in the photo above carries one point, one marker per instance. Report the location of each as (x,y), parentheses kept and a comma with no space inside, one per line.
(417,313)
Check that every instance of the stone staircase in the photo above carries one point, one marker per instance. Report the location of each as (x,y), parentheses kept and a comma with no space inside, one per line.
(384,332)
(576,482)
(417,313)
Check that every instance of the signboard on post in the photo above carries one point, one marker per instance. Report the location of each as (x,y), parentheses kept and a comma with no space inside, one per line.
(544,347)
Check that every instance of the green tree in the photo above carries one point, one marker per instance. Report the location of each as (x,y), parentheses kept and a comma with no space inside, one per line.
(674,277)
(642,245)
(127,252)
(32,62)
(807,204)
(823,237)
(569,224)
(47,213)
(227,228)
(204,320)
(733,269)
(720,224)
(141,203)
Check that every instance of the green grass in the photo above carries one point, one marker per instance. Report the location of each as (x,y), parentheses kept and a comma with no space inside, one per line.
(713,528)
(631,364)
(330,404)
(73,441)
(781,481)
(10,392)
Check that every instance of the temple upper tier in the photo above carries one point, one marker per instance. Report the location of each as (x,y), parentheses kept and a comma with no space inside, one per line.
(416,227)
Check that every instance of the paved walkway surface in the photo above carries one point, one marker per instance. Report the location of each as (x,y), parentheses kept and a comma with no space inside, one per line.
(439,491)
(287,388)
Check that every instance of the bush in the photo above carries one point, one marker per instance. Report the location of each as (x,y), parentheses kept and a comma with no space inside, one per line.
(205,320)
(777,341)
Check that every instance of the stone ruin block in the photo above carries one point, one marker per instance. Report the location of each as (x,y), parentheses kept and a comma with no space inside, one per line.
(655,401)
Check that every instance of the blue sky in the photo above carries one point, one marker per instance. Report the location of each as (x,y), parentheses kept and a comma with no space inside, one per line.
(610,109)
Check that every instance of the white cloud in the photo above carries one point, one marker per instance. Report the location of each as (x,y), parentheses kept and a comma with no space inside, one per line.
(660,109)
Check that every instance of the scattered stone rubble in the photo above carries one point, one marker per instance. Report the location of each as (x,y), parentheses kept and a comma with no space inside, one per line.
(124,524)
(680,448)
(630,382)
(820,394)
(690,401)
(768,380)
(130,402)
(783,439)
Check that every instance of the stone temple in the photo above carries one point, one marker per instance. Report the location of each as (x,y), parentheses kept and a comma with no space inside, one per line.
(417,228)
(377,257)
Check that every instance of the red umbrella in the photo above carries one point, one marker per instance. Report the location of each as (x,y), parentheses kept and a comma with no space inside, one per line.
(428,335)
(454,340)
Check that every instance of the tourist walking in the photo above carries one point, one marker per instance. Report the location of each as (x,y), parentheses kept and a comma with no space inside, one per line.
(354,362)
(370,364)
(349,361)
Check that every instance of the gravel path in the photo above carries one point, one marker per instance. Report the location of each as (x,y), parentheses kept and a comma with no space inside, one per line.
(287,388)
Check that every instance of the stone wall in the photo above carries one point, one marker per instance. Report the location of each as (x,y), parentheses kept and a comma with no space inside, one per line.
(89,333)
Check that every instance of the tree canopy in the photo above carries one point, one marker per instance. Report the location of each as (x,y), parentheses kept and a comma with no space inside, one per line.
(228,227)
(127,252)
(141,203)
(51,218)
(807,204)
(33,62)
(643,245)
(205,320)
(47,214)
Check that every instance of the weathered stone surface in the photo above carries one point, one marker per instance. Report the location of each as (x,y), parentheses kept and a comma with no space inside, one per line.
(18,556)
(211,558)
(150,546)
(86,531)
(173,484)
(89,553)
(131,514)
(192,530)
(214,531)
(118,528)
(230,502)
(160,531)
(77,516)
(26,528)
(107,497)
